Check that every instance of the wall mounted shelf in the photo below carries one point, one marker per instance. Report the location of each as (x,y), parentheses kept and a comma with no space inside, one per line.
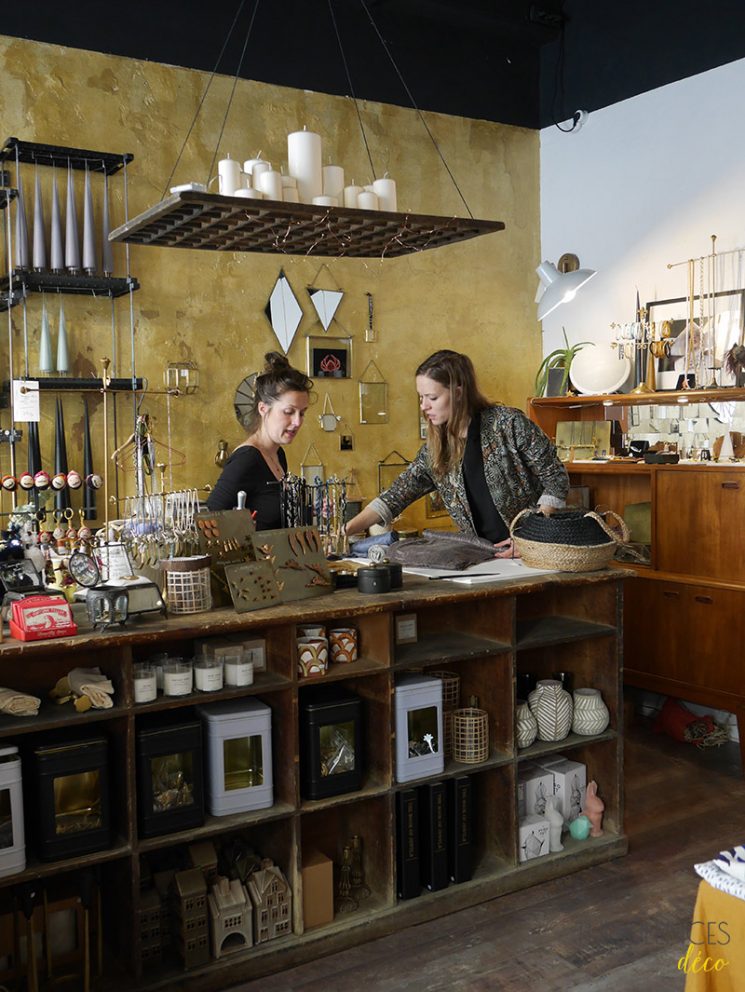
(62,156)
(229,223)
(64,384)
(25,282)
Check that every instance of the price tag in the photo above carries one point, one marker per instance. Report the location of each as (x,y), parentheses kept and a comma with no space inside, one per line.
(26,401)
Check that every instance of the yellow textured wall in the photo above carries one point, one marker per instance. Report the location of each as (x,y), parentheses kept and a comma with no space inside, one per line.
(209,308)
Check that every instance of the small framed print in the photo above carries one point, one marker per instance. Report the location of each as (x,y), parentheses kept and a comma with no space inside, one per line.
(406,630)
(329,358)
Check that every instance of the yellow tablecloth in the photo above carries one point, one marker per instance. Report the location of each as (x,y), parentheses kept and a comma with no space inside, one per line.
(717,941)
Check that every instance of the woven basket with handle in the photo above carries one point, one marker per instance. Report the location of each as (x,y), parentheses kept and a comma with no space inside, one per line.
(551,552)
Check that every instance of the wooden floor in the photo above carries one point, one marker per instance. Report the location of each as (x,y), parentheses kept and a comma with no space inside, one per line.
(620,927)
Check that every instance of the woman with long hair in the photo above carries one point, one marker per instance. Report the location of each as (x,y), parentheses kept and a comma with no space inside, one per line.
(487,461)
(281,397)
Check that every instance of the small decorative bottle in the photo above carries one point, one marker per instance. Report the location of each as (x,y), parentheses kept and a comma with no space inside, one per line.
(526,725)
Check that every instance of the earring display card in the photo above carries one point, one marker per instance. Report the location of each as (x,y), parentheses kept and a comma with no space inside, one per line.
(226,535)
(296,555)
(253,585)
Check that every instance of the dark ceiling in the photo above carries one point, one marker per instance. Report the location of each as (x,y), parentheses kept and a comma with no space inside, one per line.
(511,61)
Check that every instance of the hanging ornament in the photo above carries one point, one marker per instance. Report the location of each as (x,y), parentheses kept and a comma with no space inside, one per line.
(40,244)
(283,311)
(89,232)
(45,342)
(57,254)
(107,251)
(63,360)
(327,418)
(72,242)
(311,467)
(370,332)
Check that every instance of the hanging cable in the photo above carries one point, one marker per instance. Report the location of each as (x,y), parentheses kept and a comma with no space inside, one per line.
(232,91)
(414,104)
(559,89)
(351,90)
(241,5)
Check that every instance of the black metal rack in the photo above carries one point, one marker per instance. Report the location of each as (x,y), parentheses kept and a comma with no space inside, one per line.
(26,281)
(60,155)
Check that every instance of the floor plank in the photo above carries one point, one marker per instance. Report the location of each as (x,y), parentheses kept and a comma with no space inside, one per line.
(619,927)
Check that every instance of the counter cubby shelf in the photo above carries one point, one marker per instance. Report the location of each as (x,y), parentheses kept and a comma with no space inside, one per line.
(486,634)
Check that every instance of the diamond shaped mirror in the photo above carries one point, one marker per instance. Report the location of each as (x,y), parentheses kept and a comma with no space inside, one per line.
(326,303)
(283,312)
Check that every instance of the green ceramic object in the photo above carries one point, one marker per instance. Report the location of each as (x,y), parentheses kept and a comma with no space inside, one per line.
(580,828)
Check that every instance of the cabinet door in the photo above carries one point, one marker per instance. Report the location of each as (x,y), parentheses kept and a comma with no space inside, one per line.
(698,517)
(654,634)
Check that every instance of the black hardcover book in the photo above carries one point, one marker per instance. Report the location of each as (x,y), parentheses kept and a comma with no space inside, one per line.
(460,824)
(408,885)
(433,834)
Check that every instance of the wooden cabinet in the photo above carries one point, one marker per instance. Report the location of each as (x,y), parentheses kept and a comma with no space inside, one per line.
(486,635)
(685,613)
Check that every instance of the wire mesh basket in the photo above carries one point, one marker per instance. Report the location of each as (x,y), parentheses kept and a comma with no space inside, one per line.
(470,735)
(450,689)
(187,586)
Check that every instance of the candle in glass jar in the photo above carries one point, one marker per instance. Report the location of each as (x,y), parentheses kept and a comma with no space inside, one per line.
(177,678)
(145,683)
(238,670)
(208,674)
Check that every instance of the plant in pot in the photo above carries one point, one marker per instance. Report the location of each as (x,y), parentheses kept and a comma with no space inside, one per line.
(560,359)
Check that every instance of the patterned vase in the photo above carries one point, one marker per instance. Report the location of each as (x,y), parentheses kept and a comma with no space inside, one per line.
(591,715)
(343,645)
(526,725)
(552,707)
(312,656)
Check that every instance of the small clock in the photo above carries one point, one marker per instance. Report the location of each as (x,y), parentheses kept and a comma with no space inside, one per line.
(84,569)
(244,400)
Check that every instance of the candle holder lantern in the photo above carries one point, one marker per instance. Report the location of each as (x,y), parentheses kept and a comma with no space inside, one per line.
(330,742)
(238,741)
(169,777)
(419,737)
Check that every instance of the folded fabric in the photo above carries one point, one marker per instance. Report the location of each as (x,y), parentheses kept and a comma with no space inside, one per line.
(91,682)
(732,862)
(359,549)
(18,703)
(713,874)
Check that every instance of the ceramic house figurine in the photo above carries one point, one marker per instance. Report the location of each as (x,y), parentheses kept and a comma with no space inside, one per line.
(230,917)
(190,917)
(149,914)
(593,809)
(272,902)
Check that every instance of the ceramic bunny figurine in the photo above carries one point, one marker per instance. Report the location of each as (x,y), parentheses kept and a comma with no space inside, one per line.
(556,823)
(593,809)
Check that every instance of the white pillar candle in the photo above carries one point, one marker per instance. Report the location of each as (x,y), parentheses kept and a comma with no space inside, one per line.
(333,181)
(289,182)
(229,176)
(290,195)
(250,163)
(258,170)
(350,195)
(325,201)
(249,194)
(367,200)
(304,163)
(386,192)
(269,183)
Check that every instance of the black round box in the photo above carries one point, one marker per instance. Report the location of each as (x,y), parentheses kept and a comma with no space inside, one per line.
(374,578)
(397,574)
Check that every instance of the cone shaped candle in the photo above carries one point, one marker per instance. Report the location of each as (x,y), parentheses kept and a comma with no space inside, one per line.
(63,361)
(62,496)
(45,342)
(107,251)
(40,241)
(21,230)
(89,492)
(34,451)
(89,232)
(57,253)
(72,243)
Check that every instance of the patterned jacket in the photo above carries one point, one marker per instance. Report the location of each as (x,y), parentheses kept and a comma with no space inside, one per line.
(520,465)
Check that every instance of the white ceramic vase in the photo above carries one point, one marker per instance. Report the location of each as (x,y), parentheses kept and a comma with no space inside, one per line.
(551,705)
(591,715)
(526,725)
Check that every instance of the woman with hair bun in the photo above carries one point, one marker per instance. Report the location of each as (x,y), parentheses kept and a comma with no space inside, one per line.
(281,397)
(486,460)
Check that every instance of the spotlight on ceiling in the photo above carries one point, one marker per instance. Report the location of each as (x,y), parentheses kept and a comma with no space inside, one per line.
(559,283)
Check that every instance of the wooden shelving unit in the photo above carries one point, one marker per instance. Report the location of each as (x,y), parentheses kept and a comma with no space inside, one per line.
(487,635)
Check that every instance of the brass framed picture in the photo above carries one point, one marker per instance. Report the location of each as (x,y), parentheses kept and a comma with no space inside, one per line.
(329,358)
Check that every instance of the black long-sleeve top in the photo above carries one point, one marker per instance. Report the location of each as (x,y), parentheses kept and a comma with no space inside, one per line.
(247,470)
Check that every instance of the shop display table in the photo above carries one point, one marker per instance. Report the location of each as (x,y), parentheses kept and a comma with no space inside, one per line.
(715,958)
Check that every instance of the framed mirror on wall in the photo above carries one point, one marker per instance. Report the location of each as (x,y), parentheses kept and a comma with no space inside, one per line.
(373,396)
(283,311)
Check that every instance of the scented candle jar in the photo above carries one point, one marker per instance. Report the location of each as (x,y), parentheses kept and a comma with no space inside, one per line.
(208,674)
(238,669)
(178,677)
(145,683)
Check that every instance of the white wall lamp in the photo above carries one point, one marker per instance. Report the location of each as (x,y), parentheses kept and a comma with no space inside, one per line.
(559,283)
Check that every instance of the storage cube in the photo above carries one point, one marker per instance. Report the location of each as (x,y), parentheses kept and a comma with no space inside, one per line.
(570,783)
(238,740)
(71,782)
(330,742)
(533,838)
(169,777)
(318,890)
(419,750)
(12,840)
(534,786)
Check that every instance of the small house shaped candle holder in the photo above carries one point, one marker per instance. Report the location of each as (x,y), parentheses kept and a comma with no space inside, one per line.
(419,737)
(331,760)
(238,741)
(169,777)
(71,783)
(271,898)
(190,916)
(12,838)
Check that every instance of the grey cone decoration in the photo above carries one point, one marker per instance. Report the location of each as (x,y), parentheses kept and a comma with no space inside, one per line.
(89,231)
(72,242)
(107,251)
(21,229)
(45,342)
(40,241)
(62,496)
(57,254)
(63,360)
(34,450)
